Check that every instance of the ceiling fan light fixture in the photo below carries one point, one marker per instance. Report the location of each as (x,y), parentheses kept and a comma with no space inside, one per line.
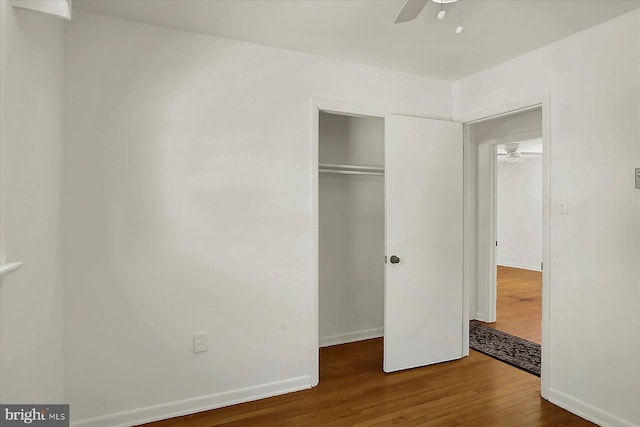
(412,8)
(512,157)
(459,29)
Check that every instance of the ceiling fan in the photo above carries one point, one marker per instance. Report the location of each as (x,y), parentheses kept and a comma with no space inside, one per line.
(512,154)
(412,8)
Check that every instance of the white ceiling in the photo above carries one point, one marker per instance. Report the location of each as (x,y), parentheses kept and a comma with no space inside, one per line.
(363,30)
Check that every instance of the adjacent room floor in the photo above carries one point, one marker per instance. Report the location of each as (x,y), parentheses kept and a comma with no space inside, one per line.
(519,305)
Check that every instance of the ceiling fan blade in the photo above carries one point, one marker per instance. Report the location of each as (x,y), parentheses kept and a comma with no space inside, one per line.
(410,10)
(530,153)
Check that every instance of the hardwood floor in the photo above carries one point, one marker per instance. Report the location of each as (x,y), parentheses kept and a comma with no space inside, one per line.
(353,391)
(519,304)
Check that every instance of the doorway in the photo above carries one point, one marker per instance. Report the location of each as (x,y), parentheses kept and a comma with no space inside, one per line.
(488,140)
(351,229)
(518,238)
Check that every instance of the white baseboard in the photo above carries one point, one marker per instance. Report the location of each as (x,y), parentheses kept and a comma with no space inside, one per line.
(482,318)
(351,337)
(520,266)
(586,411)
(196,404)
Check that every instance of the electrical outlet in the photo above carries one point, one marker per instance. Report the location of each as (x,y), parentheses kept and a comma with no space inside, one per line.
(200,343)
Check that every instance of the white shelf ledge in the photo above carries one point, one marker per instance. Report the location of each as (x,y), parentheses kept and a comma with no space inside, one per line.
(9,267)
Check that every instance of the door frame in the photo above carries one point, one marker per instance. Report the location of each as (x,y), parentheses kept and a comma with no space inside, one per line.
(344,108)
(470,197)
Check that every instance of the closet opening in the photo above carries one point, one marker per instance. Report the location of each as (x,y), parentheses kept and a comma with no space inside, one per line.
(351,229)
(377,177)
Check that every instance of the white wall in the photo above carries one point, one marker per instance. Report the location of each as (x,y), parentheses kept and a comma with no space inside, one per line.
(594,288)
(352,231)
(187,207)
(519,214)
(31,83)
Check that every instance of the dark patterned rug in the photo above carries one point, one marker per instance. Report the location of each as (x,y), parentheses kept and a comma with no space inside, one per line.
(515,351)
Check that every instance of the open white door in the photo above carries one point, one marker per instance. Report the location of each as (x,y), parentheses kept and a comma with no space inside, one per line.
(424,196)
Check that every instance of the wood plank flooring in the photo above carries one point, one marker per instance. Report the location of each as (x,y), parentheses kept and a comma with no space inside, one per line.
(353,391)
(519,303)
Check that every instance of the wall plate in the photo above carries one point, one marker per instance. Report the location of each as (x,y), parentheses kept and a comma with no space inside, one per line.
(200,343)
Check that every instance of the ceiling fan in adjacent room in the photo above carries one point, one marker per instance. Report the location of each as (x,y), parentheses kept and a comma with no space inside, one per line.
(412,8)
(511,153)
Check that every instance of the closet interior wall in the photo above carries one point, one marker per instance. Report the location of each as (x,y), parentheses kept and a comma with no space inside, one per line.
(352,238)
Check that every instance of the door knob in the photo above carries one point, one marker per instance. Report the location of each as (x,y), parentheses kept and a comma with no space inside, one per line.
(394,259)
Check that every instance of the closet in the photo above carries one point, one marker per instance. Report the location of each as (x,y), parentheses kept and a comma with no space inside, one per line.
(391,186)
(351,228)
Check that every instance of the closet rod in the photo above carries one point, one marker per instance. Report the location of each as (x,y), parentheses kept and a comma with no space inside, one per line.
(354,167)
(328,167)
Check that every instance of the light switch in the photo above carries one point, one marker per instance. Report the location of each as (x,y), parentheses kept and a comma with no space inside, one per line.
(638,178)
(563,206)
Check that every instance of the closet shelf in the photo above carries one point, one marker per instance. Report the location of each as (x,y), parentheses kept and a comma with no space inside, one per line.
(350,169)
(9,267)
